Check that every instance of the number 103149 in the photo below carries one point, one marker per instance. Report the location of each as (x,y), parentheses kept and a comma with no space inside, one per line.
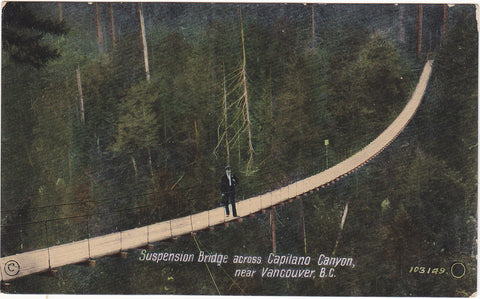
(427,270)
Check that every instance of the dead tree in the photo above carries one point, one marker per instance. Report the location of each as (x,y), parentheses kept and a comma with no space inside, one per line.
(144,41)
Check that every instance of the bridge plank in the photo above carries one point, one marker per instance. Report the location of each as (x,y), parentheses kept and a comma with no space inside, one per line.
(105,245)
(70,253)
(181,226)
(159,232)
(216,216)
(134,238)
(200,221)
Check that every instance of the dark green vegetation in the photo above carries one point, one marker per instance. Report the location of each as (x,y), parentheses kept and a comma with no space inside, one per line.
(149,151)
(23,32)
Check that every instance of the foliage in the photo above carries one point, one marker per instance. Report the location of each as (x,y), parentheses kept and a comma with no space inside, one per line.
(23,32)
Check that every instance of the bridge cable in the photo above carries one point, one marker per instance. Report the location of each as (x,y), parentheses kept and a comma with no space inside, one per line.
(206,265)
(233,280)
(48,248)
(101,200)
(88,232)
(81,216)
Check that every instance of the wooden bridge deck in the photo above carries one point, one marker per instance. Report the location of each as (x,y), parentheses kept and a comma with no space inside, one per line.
(41,260)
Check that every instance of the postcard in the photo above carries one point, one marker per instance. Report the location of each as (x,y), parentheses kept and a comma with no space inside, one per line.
(274,149)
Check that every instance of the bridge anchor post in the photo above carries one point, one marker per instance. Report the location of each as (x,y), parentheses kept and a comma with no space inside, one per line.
(49,273)
(88,263)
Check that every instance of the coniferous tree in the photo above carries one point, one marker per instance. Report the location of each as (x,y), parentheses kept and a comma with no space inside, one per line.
(23,31)
(137,124)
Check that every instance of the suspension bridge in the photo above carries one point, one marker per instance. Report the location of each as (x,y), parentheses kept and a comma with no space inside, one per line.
(47,259)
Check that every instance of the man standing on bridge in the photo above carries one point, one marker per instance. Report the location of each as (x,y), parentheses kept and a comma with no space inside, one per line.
(227,186)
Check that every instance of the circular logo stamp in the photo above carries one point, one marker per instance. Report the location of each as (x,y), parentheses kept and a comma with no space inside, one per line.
(12,268)
(458,270)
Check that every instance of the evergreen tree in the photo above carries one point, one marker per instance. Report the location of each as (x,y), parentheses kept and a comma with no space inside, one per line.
(23,31)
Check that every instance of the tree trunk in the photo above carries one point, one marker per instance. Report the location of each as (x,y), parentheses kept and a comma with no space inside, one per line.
(98,143)
(112,24)
(227,145)
(82,108)
(144,41)
(60,11)
(245,98)
(313,27)
(401,26)
(272,226)
(165,137)
(70,173)
(197,153)
(302,225)
(342,222)
(134,164)
(150,164)
(419,29)
(99,28)
(444,25)
(150,167)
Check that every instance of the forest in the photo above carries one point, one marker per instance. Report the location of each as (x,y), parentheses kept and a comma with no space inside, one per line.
(119,115)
